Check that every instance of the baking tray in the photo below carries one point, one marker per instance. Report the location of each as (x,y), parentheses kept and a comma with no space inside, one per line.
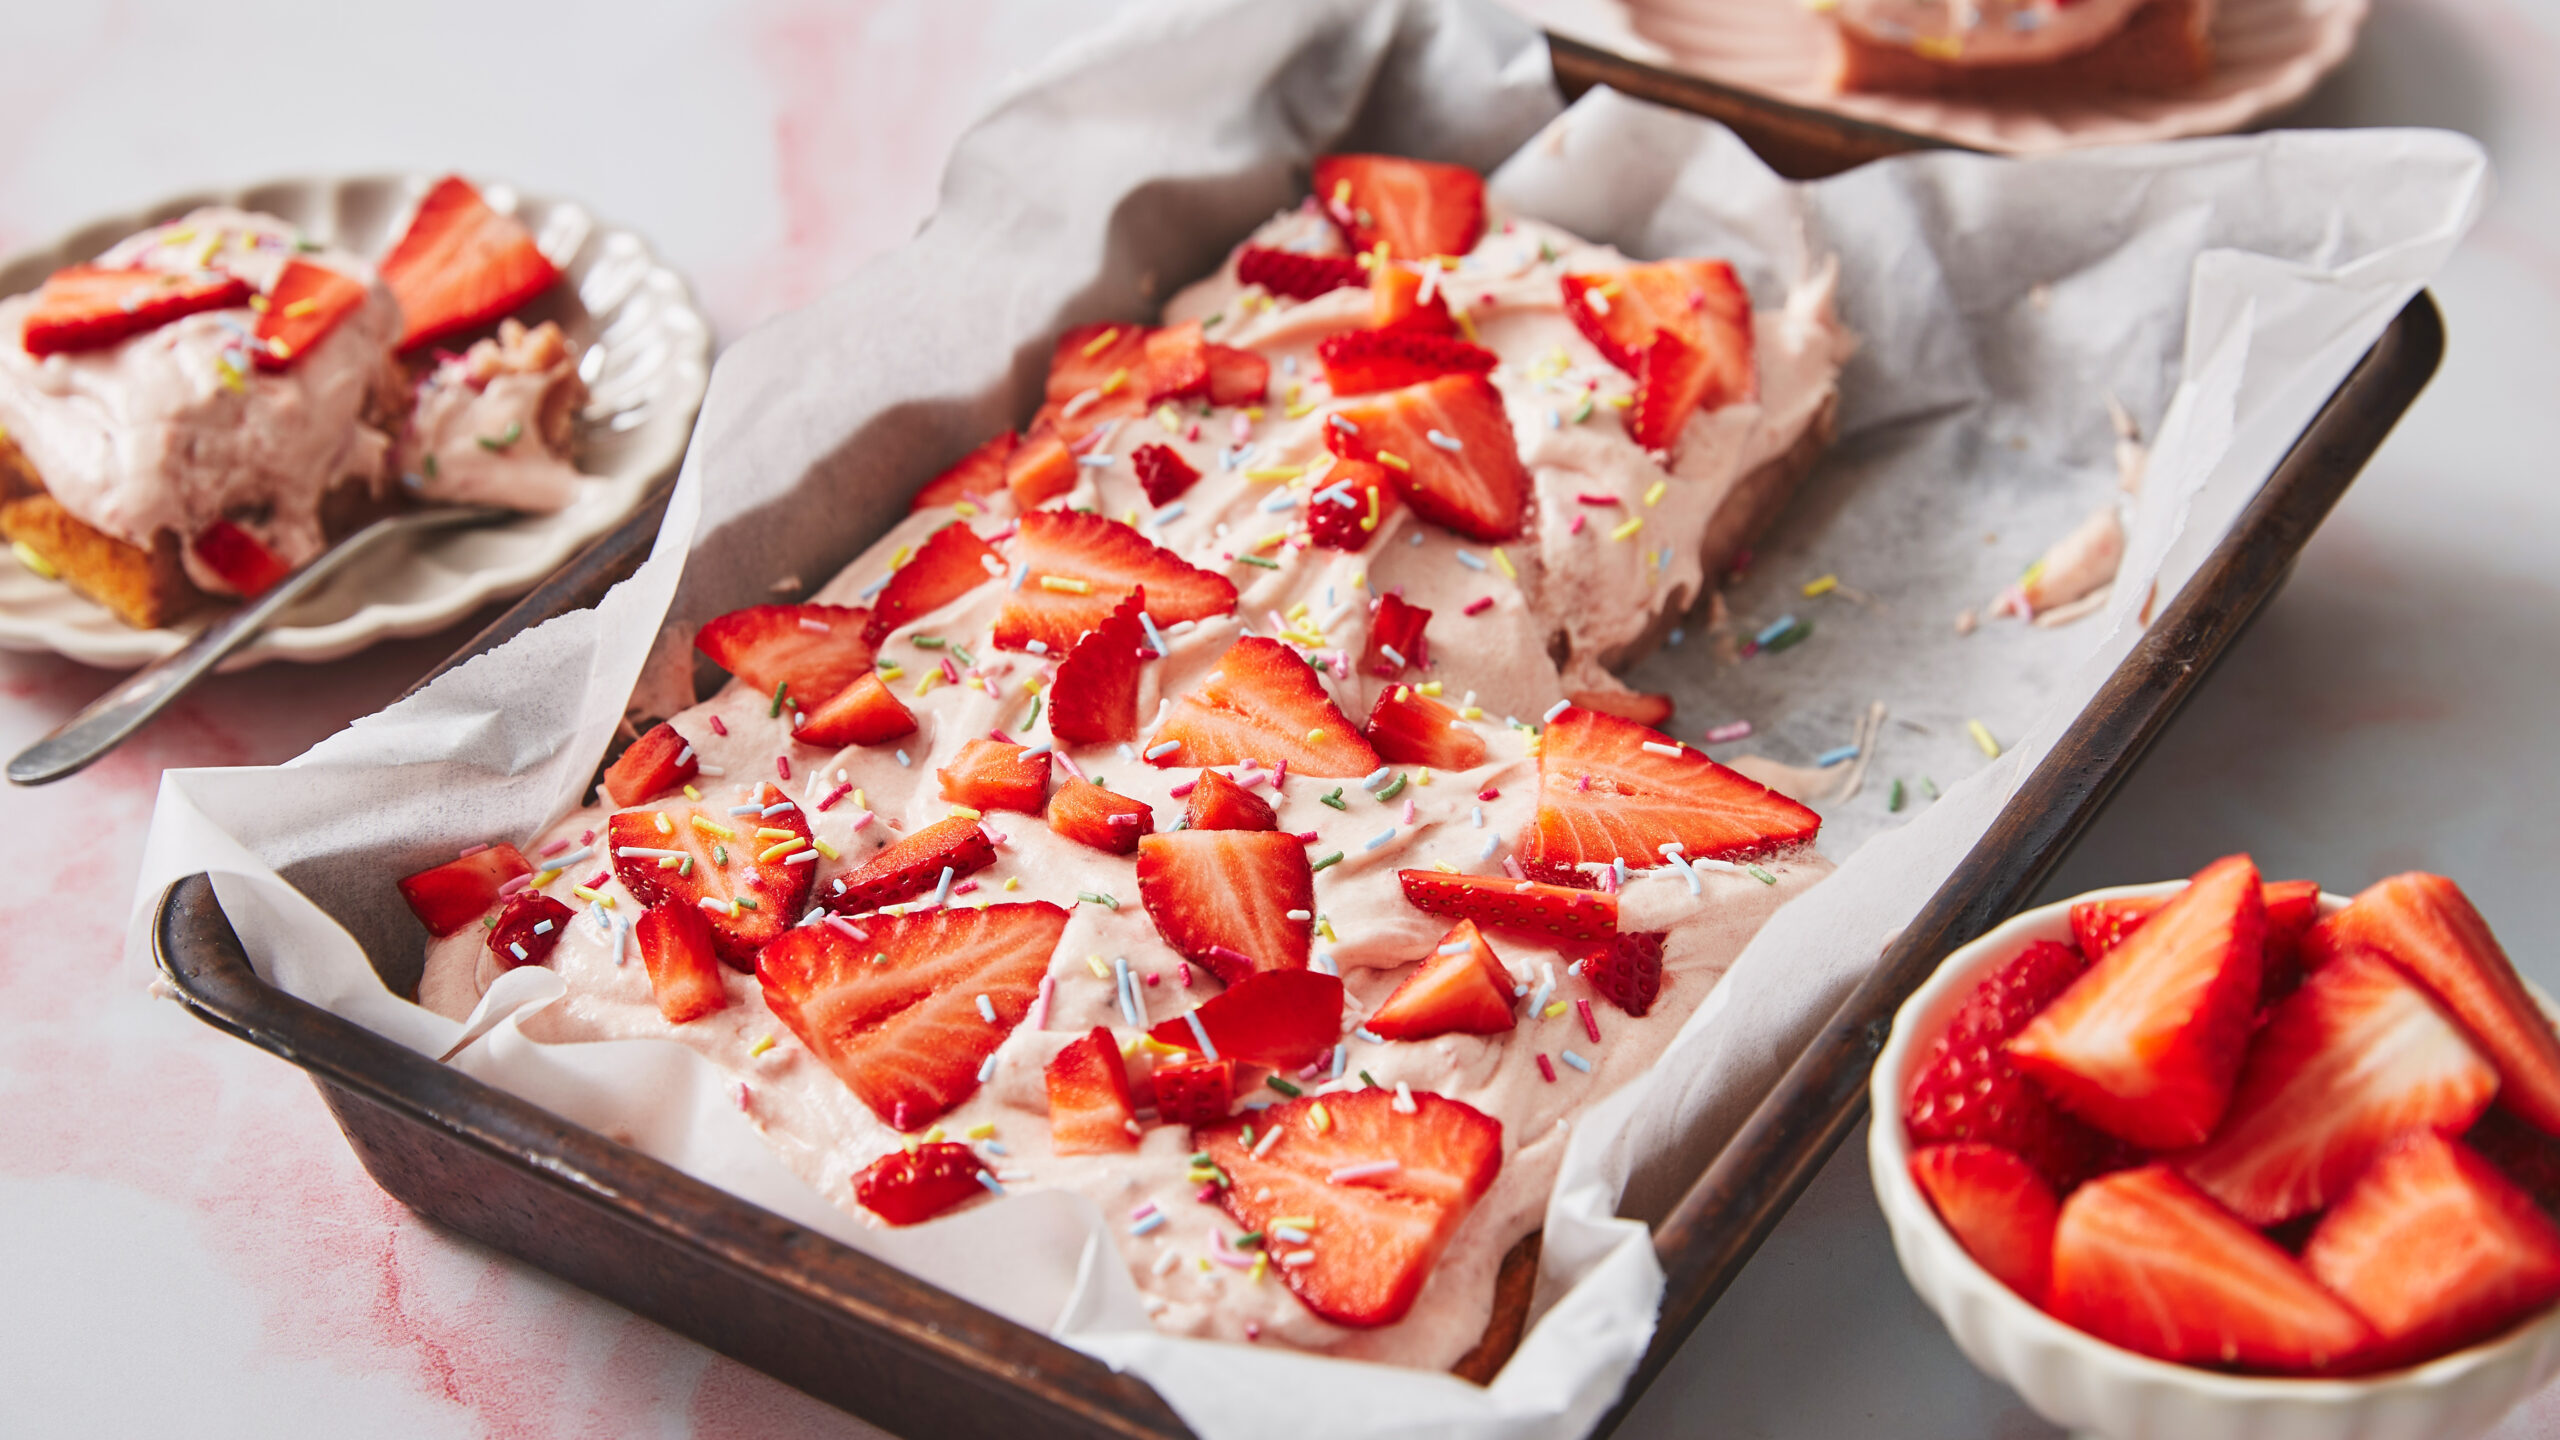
(862,1335)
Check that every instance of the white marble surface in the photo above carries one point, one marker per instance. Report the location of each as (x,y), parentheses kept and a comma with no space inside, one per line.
(187,1246)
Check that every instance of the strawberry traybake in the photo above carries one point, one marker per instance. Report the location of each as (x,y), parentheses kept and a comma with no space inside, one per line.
(206,405)
(1211,801)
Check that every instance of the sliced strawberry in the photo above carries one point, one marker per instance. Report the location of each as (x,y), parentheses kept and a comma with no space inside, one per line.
(1372,1241)
(1291,275)
(1416,208)
(1475,484)
(897,1017)
(1552,911)
(1460,989)
(240,558)
(817,650)
(1077,570)
(1162,473)
(1969,1090)
(1218,803)
(449,896)
(1628,974)
(1396,640)
(950,563)
(1090,1108)
(2425,925)
(1651,711)
(2101,925)
(1040,470)
(528,929)
(1089,357)
(461,264)
(306,304)
(89,307)
(2143,1259)
(2146,1044)
(1603,796)
(2355,1059)
(995,775)
(1280,1018)
(1700,301)
(2436,1249)
(1363,362)
(912,867)
(907,1187)
(978,475)
(1195,1092)
(1672,377)
(1263,703)
(1177,364)
(1998,1208)
(681,955)
(1346,510)
(1090,815)
(1396,303)
(658,762)
(1237,377)
(1407,727)
(862,713)
(2524,1154)
(720,868)
(1095,698)
(1222,898)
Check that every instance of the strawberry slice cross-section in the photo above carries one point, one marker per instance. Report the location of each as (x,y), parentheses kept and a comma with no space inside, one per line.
(89,307)
(1263,703)
(1091,1111)
(307,303)
(1280,1018)
(1407,727)
(682,958)
(1290,275)
(1218,803)
(912,867)
(449,896)
(1460,988)
(1095,698)
(1225,898)
(815,650)
(1416,208)
(991,774)
(1077,568)
(1998,1208)
(1970,1091)
(1699,302)
(1363,362)
(976,476)
(461,264)
(739,870)
(950,563)
(908,1187)
(1610,789)
(1105,820)
(657,762)
(1448,447)
(1558,913)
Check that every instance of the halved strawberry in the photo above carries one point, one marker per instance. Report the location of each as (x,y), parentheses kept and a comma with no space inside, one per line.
(905,1187)
(2436,1249)
(976,476)
(1417,208)
(1263,703)
(1363,362)
(1040,470)
(2143,1259)
(1460,989)
(1396,640)
(1095,698)
(1473,484)
(1998,1208)
(912,867)
(1396,303)
(89,307)
(950,563)
(817,650)
(1089,357)
(2425,925)
(1552,911)
(1291,275)
(1651,711)
(2146,1044)
(1237,376)
(1700,301)
(1077,570)
(1195,1092)
(1628,974)
(240,558)
(862,713)
(2101,925)
(1672,377)
(1218,803)
(1603,796)
(1090,1108)
(1969,1090)
(306,304)
(528,929)
(449,896)
(657,762)
(1347,508)
(461,264)
(733,868)
(1109,822)
(898,1017)
(995,775)
(1372,1241)
(1162,473)
(1280,1018)
(2355,1059)
(1177,363)
(1222,898)
(680,952)
(1407,727)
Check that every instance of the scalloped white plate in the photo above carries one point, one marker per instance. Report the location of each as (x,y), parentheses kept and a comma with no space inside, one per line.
(647,360)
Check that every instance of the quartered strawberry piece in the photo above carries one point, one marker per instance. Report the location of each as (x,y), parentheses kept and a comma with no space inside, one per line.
(1222,898)
(1218,803)
(908,1187)
(977,476)
(950,563)
(2143,1259)
(1371,1240)
(461,264)
(1969,1090)
(1473,483)
(1280,1018)
(912,867)
(2521,1153)
(1177,364)
(1040,470)
(1673,377)
(1263,703)
(2101,925)
(1407,727)
(240,558)
(1109,822)
(735,869)
(1090,1109)
(1396,303)
(2436,1249)
(2425,925)
(1603,796)
(817,650)
(1095,698)
(1649,710)
(449,896)
(1195,1092)
(1077,570)
(1237,376)
(1348,507)
(1290,275)
(2355,1059)
(682,958)
(89,307)
(1162,473)
(996,775)
(306,304)
(1462,988)
(1088,357)
(1628,974)
(1363,362)
(1700,301)
(1552,911)
(528,929)
(1396,641)
(1999,1209)
(898,1016)
(862,713)
(656,763)
(1416,208)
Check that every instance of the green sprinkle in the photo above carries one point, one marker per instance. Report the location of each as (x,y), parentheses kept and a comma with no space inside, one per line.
(962,651)
(1370,1081)
(1792,635)
(719,854)
(1928,787)
(1334,799)
(1097,899)
(1033,718)
(1258,560)
(1248,1135)
(1333,859)
(1582,411)
(778,687)
(927,642)
(306,244)
(1283,1086)
(1763,876)
(1392,788)
(1203,1157)
(430,465)
(746,902)
(1546,252)
(1893,799)
(513,433)
(488,922)
(1212,321)
(1250,1238)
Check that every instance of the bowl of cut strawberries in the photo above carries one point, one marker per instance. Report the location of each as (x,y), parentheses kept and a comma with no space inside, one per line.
(2227,1157)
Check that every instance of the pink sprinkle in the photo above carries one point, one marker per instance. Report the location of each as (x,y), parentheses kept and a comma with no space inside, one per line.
(1590,1026)
(835,795)
(596,881)
(746,1097)
(1408,813)
(843,926)
(1253,1329)
(1182,972)
(1143,1211)
(1341,665)
(1488,793)
(1587,498)
(556,846)
(1367,1170)
(1207,1194)
(858,821)
(1609,881)
(1586,783)
(782,766)
(717,728)
(1306,837)
(1279,773)
(1067,763)
(1192,434)
(476,849)
(1040,1009)
(999,737)
(1734,730)
(1153,977)
(1002,535)
(1247,765)
(1276,622)
(1546,1067)
(587,837)
(1185,788)
(517,884)
(1511,867)
(964,887)
(1576,527)
(1750,648)
(994,837)
(950,672)
(1238,956)
(1482,603)
(1252,780)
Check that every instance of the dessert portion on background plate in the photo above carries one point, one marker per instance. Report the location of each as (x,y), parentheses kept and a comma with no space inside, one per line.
(2023,47)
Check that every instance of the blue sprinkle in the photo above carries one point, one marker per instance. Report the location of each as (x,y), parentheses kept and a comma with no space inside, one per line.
(1281,500)
(987,1069)
(875,587)
(1168,514)
(1678,634)
(746,810)
(1554,420)
(993,1147)
(1835,755)
(1344,425)
(994,1186)
(1152,1223)
(1374,778)
(1155,637)
(1324,962)
(1096,462)
(1372,1036)
(1576,1061)
(1200,1033)
(1019,570)
(1040,749)
(1381,838)
(1491,844)
(1774,629)
(903,761)
(1470,561)
(1341,1053)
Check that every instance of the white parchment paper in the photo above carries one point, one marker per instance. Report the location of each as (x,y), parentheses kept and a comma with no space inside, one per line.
(2218,289)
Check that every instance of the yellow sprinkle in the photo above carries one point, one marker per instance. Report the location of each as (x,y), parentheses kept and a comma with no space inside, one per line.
(590,896)
(664,828)
(1013,882)
(28,557)
(983,1130)
(1100,970)
(1274,538)
(1129,517)
(1472,712)
(1823,586)
(1253,412)
(964,509)
(2032,574)
(258,303)
(1342,195)
(931,678)
(1393,461)
(1066,585)
(772,853)
(892,671)
(1298,611)
(1316,736)
(823,848)
(1204,1264)
(975,683)
(1169,418)
(1118,378)
(231,379)
(859,803)
(1422,776)
(1466,322)
(1621,401)
(1294,1222)
(300,308)
(1319,1120)
(1290,395)
(1982,736)
(775,832)
(899,560)
(1627,528)
(1264,474)
(542,879)
(1653,496)
(963,812)
(1553,1010)
(1444,867)
(1101,342)
(1429,687)
(1326,926)
(931,1136)
(1297,410)
(1031,686)
(1502,563)
(709,826)
(1937,47)
(763,1043)
(692,794)
(1261,1267)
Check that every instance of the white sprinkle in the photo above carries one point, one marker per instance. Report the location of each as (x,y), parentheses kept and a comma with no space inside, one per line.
(542,927)
(519,949)
(1369,1170)
(1269,1138)
(1374,778)
(1559,708)
(1656,747)
(1019,571)
(1479,814)
(1404,1100)
(1200,1033)
(1491,844)
(1036,647)
(986,1007)
(1159,751)
(1279,501)
(1445,442)
(987,1067)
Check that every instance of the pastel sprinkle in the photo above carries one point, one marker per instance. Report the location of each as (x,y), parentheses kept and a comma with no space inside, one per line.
(1576,1061)
(1835,755)
(1982,737)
